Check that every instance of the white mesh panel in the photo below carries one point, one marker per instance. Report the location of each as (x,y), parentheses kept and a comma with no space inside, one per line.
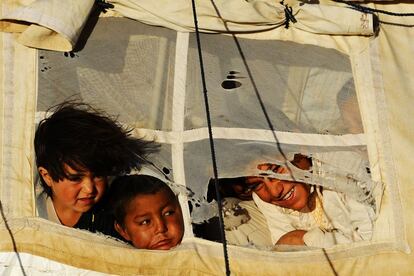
(268,100)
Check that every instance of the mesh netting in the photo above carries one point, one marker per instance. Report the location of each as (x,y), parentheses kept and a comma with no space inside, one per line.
(269,101)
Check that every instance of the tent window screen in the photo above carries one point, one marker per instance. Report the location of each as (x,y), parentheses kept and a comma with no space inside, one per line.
(277,85)
(125,69)
(271,101)
(277,104)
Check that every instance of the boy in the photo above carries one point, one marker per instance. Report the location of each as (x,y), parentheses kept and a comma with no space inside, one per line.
(302,214)
(147,212)
(76,149)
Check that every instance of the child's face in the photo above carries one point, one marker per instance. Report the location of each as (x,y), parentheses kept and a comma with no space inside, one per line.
(75,194)
(287,194)
(153,221)
(269,189)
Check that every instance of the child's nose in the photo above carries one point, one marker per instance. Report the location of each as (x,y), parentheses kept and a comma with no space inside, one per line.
(161,226)
(88,185)
(274,187)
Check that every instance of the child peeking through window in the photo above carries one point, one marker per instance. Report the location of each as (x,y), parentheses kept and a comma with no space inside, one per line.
(147,212)
(301,214)
(77,148)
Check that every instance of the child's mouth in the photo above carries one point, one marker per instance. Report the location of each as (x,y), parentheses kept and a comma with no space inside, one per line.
(87,200)
(288,195)
(162,244)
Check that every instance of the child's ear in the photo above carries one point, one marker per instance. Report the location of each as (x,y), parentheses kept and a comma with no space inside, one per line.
(46,176)
(121,231)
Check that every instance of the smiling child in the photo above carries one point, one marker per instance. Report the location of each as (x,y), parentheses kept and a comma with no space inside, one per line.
(147,212)
(298,213)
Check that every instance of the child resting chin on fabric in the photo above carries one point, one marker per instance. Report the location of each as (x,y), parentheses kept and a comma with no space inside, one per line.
(147,212)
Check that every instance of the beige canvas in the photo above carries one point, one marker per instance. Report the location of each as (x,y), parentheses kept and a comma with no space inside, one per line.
(57,25)
(381,71)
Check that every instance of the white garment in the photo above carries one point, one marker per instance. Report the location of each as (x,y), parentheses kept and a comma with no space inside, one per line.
(349,221)
(249,224)
(45,208)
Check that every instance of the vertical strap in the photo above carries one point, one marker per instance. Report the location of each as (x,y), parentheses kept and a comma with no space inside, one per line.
(212,149)
(180,76)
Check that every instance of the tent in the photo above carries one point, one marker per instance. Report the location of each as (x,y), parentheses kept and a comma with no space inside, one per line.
(276,75)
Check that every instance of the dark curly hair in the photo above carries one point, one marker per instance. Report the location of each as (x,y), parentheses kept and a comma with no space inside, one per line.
(85,138)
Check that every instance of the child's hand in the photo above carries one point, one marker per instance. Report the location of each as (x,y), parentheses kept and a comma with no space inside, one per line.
(294,237)
(300,161)
(272,167)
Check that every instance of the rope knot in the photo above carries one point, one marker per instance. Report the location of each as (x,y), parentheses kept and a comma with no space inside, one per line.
(104,6)
(289,17)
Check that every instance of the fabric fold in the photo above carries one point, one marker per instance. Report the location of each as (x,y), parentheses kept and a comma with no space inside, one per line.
(237,16)
(56,25)
(47,24)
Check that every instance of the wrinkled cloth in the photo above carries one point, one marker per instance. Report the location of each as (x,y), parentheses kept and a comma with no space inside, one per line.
(348,220)
(58,24)
(252,231)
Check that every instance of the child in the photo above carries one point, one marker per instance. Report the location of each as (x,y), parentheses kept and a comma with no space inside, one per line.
(76,149)
(301,214)
(147,212)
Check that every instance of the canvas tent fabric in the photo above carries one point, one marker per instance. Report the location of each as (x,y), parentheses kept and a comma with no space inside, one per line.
(380,70)
(41,266)
(51,25)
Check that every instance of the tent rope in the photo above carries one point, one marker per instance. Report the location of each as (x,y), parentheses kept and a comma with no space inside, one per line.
(103,5)
(365,9)
(211,140)
(289,17)
(6,224)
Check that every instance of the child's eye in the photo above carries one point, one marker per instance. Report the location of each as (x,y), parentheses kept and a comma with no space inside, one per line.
(253,187)
(74,178)
(169,213)
(144,222)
